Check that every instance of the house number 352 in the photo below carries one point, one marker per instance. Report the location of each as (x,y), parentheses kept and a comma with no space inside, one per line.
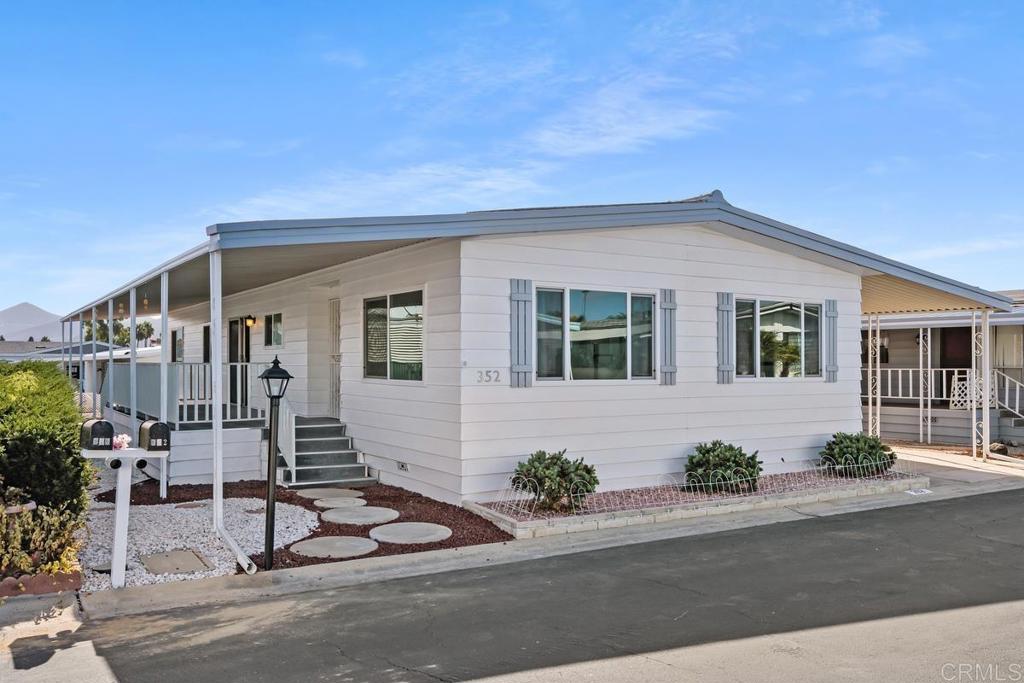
(488,376)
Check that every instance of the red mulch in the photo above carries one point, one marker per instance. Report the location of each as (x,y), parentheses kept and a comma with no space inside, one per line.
(467,528)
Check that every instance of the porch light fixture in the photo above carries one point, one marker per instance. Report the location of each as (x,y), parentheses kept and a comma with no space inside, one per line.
(275,383)
(250,320)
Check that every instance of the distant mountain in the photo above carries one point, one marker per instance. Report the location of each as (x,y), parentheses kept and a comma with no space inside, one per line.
(24,320)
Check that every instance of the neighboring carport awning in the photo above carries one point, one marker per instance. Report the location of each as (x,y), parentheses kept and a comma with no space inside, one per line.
(890,295)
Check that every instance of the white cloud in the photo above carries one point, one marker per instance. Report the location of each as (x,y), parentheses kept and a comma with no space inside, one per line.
(353,59)
(622,116)
(890,165)
(890,50)
(422,188)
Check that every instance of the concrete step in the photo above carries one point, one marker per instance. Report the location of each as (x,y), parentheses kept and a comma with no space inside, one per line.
(335,431)
(304,421)
(319,445)
(349,457)
(310,475)
(353,483)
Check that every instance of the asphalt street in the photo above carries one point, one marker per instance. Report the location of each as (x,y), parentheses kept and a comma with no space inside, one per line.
(930,592)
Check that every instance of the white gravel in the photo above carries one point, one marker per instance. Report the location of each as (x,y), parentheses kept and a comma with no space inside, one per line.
(161,528)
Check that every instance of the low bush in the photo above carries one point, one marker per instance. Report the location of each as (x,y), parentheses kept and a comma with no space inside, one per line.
(551,477)
(40,461)
(856,455)
(720,466)
(39,433)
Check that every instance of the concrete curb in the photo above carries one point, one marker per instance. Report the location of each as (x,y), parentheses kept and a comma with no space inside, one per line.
(29,615)
(572,524)
(339,575)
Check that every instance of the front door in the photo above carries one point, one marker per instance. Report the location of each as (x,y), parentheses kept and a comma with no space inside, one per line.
(955,348)
(238,369)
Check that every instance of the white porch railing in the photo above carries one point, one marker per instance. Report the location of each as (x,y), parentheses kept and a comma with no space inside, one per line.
(189,391)
(1008,392)
(905,383)
(949,384)
(286,435)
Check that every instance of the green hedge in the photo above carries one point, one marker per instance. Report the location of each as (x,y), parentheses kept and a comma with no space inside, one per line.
(40,461)
(39,433)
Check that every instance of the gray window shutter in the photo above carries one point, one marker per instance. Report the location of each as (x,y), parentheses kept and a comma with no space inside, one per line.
(521,374)
(668,336)
(726,348)
(830,340)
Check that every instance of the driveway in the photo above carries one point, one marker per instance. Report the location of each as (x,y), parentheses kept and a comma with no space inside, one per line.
(929,592)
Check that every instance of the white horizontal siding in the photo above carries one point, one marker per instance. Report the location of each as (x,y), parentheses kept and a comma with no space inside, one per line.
(636,432)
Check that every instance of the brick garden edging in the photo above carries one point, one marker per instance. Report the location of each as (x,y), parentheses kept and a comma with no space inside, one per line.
(571,524)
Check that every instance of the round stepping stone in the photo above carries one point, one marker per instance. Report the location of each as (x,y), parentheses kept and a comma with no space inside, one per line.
(334,547)
(410,532)
(328,492)
(339,502)
(357,515)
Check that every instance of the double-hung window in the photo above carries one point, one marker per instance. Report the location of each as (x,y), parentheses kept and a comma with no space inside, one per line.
(594,335)
(777,338)
(393,336)
(273,330)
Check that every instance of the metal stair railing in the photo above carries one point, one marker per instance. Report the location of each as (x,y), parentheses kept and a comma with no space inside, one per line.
(1008,392)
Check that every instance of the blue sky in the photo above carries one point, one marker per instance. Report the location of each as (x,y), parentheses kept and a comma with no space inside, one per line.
(125,128)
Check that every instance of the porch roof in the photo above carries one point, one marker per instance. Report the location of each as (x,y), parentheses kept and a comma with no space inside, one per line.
(257,253)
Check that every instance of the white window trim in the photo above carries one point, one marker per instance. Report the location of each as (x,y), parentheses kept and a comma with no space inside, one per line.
(264,321)
(362,336)
(566,346)
(820,377)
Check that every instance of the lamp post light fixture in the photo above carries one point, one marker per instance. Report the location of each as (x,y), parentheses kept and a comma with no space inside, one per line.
(250,320)
(275,383)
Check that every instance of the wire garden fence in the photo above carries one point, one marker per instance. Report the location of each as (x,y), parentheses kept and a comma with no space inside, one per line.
(518,498)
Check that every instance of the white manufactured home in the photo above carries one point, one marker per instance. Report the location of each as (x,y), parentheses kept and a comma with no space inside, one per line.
(435,352)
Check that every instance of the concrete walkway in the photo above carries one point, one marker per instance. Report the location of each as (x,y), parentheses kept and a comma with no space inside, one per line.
(913,592)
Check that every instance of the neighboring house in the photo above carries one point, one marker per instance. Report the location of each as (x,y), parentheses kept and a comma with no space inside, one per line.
(452,346)
(938,411)
(14,351)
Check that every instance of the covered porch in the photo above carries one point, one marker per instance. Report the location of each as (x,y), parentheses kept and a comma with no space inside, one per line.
(945,377)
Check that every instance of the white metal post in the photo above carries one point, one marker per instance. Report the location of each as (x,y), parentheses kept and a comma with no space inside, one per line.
(931,383)
(110,350)
(81,359)
(878,376)
(972,385)
(871,381)
(217,387)
(986,386)
(93,374)
(132,357)
(164,357)
(920,384)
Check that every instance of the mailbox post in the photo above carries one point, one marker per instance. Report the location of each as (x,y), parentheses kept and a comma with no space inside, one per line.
(97,441)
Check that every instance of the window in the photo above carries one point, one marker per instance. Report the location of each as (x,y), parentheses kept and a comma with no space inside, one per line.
(178,345)
(393,336)
(609,335)
(550,332)
(273,331)
(777,338)
(206,343)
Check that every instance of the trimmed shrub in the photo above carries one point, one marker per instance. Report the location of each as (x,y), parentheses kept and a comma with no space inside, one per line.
(554,475)
(39,433)
(720,466)
(40,462)
(38,541)
(856,455)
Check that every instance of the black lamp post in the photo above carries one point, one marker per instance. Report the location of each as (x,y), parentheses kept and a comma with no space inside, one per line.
(275,382)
